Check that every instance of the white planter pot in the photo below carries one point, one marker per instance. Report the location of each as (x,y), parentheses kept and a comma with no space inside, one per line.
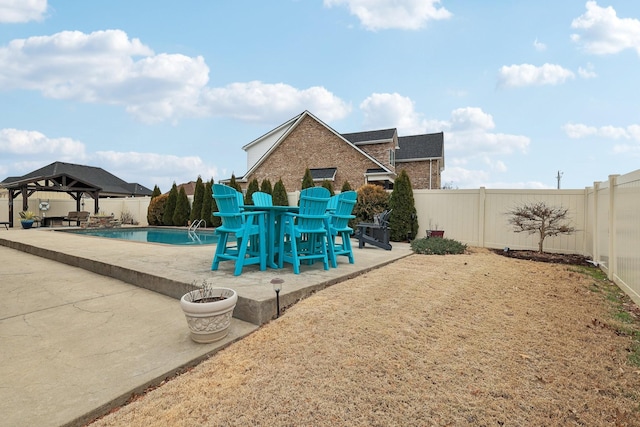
(209,321)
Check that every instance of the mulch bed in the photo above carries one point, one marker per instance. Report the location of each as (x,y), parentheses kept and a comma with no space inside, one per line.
(572,259)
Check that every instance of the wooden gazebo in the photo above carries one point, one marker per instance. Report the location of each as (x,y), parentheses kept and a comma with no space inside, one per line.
(72,179)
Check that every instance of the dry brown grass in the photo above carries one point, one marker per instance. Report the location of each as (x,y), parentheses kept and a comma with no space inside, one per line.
(475,339)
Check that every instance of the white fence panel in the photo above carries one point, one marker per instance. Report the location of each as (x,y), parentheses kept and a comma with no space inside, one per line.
(626,241)
(479,217)
(455,211)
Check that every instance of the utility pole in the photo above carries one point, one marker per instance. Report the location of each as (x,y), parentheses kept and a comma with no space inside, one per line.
(559,177)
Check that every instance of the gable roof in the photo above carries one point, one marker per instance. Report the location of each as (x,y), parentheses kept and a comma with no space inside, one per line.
(90,176)
(280,133)
(370,137)
(420,147)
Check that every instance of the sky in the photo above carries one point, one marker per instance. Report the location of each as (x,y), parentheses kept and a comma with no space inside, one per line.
(163,91)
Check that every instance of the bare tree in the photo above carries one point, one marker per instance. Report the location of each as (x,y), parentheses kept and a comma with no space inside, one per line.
(542,219)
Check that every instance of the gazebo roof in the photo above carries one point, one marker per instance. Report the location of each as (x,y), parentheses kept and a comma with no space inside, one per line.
(69,177)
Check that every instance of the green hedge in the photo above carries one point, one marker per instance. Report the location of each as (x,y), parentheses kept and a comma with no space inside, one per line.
(437,246)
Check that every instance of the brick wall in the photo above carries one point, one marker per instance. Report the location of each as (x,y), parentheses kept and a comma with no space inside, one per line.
(419,173)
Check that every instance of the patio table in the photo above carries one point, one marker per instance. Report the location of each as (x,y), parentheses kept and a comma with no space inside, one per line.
(273,215)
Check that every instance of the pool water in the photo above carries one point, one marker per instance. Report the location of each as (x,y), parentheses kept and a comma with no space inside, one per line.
(167,236)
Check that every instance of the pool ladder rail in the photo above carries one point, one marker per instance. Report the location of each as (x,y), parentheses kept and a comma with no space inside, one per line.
(193,227)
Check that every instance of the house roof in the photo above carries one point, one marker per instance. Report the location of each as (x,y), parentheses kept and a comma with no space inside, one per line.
(90,176)
(420,147)
(370,137)
(320,174)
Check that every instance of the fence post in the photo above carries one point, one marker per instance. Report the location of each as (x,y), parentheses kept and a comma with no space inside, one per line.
(613,259)
(594,228)
(482,199)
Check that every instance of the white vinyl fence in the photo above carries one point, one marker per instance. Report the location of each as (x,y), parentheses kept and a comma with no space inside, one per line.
(606,218)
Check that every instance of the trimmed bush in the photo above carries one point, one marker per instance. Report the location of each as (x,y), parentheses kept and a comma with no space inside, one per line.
(346,187)
(170,206)
(156,191)
(329,186)
(234,184)
(266,187)
(436,246)
(209,206)
(404,218)
(251,188)
(182,210)
(155,211)
(280,194)
(307,180)
(198,199)
(372,200)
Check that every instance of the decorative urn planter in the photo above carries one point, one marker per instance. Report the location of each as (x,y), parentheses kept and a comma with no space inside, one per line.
(26,223)
(208,312)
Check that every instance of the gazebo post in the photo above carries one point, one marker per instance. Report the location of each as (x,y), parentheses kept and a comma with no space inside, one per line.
(11,198)
(25,198)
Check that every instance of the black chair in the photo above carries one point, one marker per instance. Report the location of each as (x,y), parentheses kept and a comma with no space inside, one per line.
(375,233)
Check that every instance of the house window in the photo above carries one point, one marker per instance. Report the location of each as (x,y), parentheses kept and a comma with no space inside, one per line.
(392,157)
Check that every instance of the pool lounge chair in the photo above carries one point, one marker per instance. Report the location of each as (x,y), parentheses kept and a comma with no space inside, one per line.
(77,217)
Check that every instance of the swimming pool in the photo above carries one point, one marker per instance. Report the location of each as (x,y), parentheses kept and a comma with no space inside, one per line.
(167,236)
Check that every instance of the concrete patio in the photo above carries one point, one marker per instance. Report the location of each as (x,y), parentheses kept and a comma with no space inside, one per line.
(77,342)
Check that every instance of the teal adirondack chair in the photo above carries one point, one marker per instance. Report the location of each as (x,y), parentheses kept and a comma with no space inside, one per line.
(304,235)
(240,200)
(262,199)
(333,203)
(339,226)
(246,247)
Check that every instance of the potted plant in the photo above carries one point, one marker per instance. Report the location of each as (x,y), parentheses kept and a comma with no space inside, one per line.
(434,232)
(208,311)
(27,218)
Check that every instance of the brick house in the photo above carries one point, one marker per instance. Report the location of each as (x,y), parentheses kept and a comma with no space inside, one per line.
(359,158)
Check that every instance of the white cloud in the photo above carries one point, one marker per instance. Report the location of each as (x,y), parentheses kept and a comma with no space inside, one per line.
(154,168)
(631,134)
(385,14)
(578,131)
(108,67)
(476,178)
(15,11)
(604,33)
(528,75)
(468,135)
(634,132)
(539,46)
(257,101)
(387,110)
(587,73)
(25,142)
(471,118)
